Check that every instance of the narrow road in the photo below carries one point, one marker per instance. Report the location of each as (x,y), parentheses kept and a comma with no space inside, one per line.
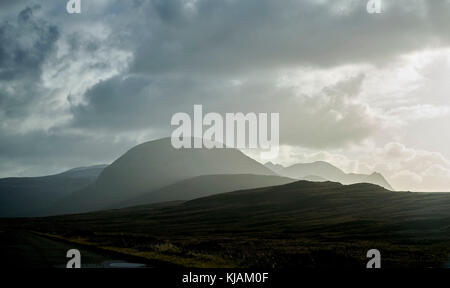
(21,249)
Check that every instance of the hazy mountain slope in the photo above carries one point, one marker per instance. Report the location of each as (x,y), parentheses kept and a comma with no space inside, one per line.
(151,166)
(374,178)
(24,196)
(314,178)
(91,172)
(277,168)
(207,185)
(325,170)
(319,168)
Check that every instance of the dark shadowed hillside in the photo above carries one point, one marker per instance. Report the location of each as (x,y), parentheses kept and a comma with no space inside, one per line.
(25,196)
(301,224)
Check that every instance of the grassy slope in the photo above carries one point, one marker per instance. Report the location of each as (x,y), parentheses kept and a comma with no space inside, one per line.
(299,224)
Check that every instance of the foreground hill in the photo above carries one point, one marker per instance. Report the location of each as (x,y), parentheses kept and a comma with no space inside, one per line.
(151,166)
(25,196)
(301,224)
(325,171)
(206,185)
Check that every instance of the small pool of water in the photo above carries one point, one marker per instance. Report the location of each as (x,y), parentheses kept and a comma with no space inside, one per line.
(126,265)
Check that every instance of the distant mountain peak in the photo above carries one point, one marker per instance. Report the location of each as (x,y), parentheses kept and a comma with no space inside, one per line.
(319,171)
(277,168)
(378,179)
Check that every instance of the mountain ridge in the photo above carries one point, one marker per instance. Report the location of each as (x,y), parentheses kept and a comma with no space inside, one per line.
(328,172)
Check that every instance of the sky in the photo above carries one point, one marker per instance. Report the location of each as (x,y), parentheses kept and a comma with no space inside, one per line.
(365,92)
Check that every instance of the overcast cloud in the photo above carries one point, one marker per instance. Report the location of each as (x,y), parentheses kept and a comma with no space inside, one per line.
(365,92)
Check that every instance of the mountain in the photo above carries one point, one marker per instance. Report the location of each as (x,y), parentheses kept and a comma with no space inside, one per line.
(374,178)
(323,171)
(24,196)
(277,168)
(314,178)
(319,168)
(151,166)
(206,185)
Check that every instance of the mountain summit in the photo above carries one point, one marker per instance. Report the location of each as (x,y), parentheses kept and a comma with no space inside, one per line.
(153,165)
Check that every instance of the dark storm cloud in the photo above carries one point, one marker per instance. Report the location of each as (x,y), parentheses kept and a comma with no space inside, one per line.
(118,102)
(10,6)
(24,46)
(236,36)
(327,119)
(134,102)
(186,55)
